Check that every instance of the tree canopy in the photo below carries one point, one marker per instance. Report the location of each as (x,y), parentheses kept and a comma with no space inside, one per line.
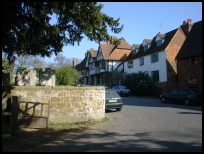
(27,29)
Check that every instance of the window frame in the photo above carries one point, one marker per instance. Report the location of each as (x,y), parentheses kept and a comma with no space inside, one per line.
(154,57)
(130,64)
(155,76)
(141,61)
(192,78)
(159,42)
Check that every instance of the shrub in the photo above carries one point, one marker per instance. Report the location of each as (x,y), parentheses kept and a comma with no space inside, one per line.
(66,75)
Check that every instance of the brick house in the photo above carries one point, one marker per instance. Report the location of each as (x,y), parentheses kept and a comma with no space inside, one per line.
(189,60)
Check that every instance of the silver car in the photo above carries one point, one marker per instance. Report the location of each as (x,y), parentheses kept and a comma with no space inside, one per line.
(121,90)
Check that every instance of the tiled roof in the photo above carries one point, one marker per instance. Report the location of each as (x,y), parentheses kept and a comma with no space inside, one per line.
(161,35)
(106,50)
(136,45)
(154,48)
(93,53)
(192,46)
(149,41)
(120,52)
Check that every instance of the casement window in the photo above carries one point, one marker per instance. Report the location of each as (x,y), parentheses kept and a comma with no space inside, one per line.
(154,58)
(155,76)
(159,42)
(145,47)
(192,78)
(130,64)
(141,61)
(192,61)
(101,64)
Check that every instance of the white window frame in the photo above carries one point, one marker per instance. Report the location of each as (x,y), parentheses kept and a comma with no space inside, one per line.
(141,61)
(159,42)
(130,64)
(154,58)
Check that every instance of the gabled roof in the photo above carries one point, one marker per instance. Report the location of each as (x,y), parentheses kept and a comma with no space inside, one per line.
(148,41)
(120,52)
(154,48)
(136,45)
(161,35)
(81,65)
(93,53)
(192,46)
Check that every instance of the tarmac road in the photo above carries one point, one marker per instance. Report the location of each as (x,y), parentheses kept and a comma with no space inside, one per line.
(143,125)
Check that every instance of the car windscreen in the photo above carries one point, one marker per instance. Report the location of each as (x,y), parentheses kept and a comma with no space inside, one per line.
(123,87)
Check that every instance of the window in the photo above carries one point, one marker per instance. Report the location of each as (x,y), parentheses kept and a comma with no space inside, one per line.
(192,61)
(159,43)
(154,57)
(141,61)
(145,47)
(134,52)
(192,78)
(155,76)
(130,64)
(101,64)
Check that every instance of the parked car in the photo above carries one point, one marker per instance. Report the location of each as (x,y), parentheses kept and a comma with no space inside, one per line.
(104,86)
(181,95)
(121,90)
(113,100)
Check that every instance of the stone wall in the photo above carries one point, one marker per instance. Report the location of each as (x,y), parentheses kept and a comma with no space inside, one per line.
(67,103)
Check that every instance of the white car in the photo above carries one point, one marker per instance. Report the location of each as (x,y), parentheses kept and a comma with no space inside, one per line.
(121,90)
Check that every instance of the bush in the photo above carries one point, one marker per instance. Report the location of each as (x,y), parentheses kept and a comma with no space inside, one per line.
(66,75)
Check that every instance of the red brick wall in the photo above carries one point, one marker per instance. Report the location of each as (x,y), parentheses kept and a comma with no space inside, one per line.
(171,52)
(184,69)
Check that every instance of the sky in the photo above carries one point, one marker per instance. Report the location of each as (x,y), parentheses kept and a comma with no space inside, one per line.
(141,20)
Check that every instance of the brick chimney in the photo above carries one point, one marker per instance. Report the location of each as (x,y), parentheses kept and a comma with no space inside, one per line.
(74,62)
(187,25)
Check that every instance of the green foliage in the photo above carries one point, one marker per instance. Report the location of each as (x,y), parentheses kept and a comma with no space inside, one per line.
(27,30)
(66,75)
(139,83)
(114,77)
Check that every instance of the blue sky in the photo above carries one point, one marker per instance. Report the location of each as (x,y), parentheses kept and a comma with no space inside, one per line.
(141,20)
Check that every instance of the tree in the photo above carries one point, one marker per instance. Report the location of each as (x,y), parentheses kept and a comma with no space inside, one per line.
(27,29)
(114,77)
(66,75)
(61,60)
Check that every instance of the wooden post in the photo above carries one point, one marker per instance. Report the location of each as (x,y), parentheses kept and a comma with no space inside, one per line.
(14,103)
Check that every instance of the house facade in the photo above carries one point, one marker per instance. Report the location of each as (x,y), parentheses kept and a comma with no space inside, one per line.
(98,63)
(189,60)
(156,58)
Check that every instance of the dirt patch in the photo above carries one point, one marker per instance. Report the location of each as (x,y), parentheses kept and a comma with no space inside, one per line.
(30,138)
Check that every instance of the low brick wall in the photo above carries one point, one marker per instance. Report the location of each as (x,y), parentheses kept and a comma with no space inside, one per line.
(67,103)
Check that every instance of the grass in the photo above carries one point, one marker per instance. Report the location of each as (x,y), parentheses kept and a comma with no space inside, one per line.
(77,124)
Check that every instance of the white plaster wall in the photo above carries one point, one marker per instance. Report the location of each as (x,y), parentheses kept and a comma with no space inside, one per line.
(148,66)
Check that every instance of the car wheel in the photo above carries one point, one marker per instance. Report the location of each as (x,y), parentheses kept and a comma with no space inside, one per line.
(163,99)
(127,95)
(186,101)
(118,109)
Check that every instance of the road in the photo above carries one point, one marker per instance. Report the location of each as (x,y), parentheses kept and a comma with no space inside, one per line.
(143,125)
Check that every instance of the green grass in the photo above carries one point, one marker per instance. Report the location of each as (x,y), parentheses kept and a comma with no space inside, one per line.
(78,124)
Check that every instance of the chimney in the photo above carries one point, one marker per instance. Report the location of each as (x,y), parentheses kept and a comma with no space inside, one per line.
(184,22)
(74,62)
(189,20)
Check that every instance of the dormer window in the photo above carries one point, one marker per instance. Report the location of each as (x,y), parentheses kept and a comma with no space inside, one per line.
(159,42)
(145,47)
(130,64)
